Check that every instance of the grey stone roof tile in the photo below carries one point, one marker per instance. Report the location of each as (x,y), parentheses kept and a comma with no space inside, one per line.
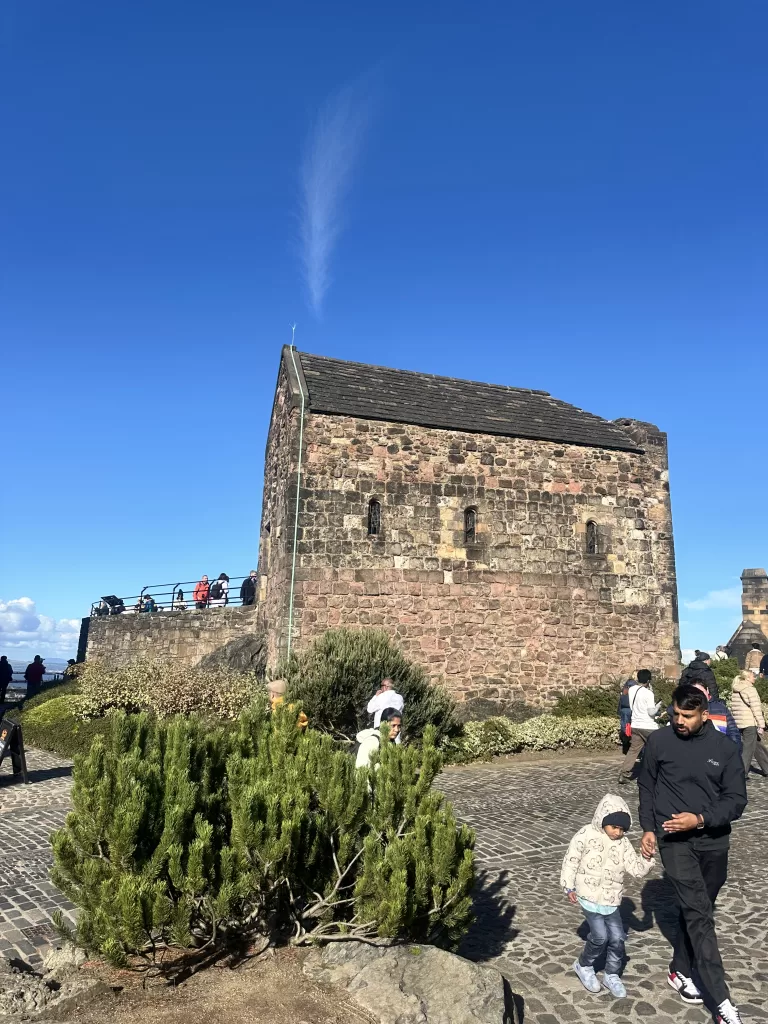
(344,388)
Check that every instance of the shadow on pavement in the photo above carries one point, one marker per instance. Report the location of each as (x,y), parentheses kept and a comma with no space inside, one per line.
(492,928)
(36,775)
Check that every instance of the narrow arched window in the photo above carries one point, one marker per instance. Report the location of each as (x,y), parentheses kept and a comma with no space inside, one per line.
(374,518)
(470,525)
(591,538)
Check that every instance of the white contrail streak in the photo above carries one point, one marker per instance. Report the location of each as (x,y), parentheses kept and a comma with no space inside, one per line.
(332,150)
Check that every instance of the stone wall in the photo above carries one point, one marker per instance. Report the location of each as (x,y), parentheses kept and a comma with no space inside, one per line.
(520,613)
(184,637)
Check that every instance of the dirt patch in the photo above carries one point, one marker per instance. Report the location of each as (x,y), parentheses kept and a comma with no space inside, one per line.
(271,991)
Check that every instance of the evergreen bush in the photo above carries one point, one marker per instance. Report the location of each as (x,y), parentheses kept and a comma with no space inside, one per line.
(337,674)
(591,702)
(189,838)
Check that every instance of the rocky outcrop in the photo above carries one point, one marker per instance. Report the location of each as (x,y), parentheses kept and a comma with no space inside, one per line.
(413,984)
(244,654)
(60,987)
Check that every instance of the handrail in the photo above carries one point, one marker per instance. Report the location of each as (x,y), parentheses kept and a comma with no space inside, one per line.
(164,597)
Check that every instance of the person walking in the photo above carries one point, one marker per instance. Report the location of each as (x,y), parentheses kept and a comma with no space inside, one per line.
(625,715)
(719,715)
(6,676)
(592,875)
(385,697)
(219,593)
(748,714)
(248,589)
(691,788)
(701,668)
(643,710)
(753,659)
(179,604)
(201,592)
(34,677)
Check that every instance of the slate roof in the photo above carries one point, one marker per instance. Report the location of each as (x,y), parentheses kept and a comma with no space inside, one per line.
(342,388)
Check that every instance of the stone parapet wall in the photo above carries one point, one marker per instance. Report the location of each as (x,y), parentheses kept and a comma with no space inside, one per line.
(183,637)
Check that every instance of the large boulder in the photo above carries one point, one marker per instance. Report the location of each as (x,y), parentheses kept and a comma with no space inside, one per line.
(245,654)
(413,984)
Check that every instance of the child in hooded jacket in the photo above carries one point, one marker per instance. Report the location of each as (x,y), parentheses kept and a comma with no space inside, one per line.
(598,857)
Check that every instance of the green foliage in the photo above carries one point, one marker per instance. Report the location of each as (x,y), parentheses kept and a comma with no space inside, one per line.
(189,837)
(591,702)
(484,740)
(51,721)
(761,685)
(165,689)
(336,676)
(725,672)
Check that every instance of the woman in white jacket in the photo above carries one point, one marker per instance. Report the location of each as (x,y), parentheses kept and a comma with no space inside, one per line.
(644,708)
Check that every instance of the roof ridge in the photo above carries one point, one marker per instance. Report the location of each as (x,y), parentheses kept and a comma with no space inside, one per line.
(433,376)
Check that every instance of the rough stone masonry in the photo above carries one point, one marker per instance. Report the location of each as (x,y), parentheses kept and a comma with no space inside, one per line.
(514,545)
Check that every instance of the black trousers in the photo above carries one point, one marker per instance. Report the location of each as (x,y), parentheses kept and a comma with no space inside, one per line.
(697,873)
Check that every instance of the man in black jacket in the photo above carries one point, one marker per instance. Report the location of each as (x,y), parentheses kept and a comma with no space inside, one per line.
(700,668)
(691,788)
(248,589)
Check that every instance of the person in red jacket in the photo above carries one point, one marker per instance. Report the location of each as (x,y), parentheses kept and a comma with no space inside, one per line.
(201,592)
(34,676)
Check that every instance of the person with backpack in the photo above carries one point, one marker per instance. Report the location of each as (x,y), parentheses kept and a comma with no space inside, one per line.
(219,593)
(643,709)
(369,740)
(701,669)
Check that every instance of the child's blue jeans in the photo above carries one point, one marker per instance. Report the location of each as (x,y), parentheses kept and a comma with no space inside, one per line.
(604,930)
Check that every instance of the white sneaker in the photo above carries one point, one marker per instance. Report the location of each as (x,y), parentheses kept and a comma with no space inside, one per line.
(685,988)
(615,985)
(588,979)
(728,1014)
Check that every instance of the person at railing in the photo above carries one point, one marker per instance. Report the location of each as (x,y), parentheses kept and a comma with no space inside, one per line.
(219,592)
(149,604)
(201,592)
(248,589)
(6,676)
(139,606)
(34,676)
(179,604)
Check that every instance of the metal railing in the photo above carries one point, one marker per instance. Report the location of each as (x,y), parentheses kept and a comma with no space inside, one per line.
(184,596)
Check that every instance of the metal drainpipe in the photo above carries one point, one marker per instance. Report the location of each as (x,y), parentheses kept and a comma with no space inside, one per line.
(298,494)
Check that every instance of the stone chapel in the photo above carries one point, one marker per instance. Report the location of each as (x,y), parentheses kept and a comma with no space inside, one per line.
(514,545)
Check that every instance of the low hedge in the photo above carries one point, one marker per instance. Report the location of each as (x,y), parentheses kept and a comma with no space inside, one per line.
(483,740)
(51,722)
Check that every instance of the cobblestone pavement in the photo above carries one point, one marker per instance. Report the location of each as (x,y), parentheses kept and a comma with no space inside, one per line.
(525,814)
(28,815)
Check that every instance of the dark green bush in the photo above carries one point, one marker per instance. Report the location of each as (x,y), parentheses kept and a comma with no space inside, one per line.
(762,689)
(190,838)
(336,676)
(725,672)
(591,702)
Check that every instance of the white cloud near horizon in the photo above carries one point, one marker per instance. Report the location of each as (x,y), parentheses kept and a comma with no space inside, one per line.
(728,598)
(331,155)
(25,630)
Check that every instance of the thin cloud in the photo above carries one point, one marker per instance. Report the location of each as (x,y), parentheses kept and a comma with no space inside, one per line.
(331,156)
(728,598)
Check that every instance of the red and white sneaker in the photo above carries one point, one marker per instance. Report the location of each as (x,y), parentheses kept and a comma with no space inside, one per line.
(685,988)
(727,1013)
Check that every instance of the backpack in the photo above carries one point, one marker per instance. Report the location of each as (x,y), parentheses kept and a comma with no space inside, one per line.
(217,591)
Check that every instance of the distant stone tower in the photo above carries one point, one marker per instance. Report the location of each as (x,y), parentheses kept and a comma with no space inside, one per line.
(754,614)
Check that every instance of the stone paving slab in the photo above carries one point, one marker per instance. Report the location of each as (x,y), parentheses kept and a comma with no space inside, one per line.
(525,815)
(28,815)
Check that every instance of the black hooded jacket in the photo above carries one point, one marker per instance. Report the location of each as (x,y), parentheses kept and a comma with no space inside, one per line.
(700,670)
(703,774)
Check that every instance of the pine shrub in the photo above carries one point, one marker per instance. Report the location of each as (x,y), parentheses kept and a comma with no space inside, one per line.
(192,839)
(336,676)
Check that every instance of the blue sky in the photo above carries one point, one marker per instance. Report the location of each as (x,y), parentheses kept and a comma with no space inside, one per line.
(555,195)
